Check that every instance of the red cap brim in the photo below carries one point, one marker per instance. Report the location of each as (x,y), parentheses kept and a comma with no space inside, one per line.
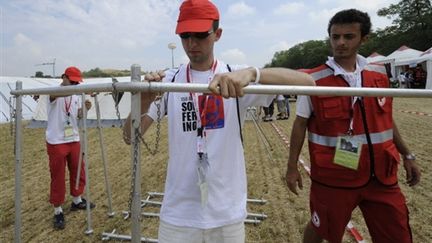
(194,25)
(75,79)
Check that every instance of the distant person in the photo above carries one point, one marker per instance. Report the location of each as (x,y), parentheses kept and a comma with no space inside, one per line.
(268,112)
(63,147)
(420,77)
(402,80)
(409,78)
(283,107)
(206,189)
(354,145)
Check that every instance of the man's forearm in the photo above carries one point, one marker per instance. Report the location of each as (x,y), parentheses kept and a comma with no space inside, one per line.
(285,76)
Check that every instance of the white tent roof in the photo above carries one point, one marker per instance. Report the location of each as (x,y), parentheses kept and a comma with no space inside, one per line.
(403,52)
(7,103)
(375,57)
(37,111)
(424,56)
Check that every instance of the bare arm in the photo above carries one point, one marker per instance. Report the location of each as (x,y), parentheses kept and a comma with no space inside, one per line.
(298,133)
(231,84)
(285,76)
(413,173)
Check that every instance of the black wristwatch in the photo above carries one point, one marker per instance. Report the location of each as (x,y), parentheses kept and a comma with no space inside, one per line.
(409,157)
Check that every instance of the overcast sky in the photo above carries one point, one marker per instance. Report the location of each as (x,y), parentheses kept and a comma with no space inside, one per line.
(118,33)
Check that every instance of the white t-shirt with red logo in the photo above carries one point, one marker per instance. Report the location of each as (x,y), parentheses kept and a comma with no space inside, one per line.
(227,186)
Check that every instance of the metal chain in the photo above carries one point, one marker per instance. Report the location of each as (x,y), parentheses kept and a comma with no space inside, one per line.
(158,121)
(158,126)
(134,168)
(12,113)
(115,96)
(13,117)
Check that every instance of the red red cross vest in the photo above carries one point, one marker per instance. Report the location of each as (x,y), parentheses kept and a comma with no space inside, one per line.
(331,117)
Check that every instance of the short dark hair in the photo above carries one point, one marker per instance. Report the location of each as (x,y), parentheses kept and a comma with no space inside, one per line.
(350,16)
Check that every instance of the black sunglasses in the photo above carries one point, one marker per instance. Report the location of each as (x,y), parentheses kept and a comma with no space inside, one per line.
(198,35)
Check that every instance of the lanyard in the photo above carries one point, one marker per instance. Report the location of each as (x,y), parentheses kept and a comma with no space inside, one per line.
(201,133)
(194,96)
(68,106)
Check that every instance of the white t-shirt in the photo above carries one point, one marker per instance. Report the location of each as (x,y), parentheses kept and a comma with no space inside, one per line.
(58,119)
(227,187)
(304,104)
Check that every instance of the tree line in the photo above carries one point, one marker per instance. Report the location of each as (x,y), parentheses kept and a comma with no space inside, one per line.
(411,26)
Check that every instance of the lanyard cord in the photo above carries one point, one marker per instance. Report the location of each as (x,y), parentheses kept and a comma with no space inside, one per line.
(194,98)
(67,106)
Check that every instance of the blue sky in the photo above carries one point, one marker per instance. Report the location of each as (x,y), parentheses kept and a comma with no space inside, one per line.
(118,33)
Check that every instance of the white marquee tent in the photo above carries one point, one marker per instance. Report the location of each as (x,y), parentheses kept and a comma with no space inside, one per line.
(407,56)
(36,111)
(424,59)
(375,57)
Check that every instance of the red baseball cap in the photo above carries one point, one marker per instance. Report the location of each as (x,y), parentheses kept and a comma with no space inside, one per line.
(73,74)
(196,16)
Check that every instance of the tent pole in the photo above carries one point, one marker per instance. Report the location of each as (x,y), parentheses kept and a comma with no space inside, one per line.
(87,177)
(136,156)
(102,146)
(18,163)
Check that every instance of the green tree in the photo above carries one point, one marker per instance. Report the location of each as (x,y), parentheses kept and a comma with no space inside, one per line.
(39,74)
(308,54)
(412,23)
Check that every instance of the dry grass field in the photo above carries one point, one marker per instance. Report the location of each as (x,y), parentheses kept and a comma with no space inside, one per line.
(287,213)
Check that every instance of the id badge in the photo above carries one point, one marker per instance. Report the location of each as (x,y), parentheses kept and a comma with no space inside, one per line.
(68,132)
(348,150)
(202,171)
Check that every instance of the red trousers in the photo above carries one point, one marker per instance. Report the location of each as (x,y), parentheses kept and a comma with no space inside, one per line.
(383,208)
(59,156)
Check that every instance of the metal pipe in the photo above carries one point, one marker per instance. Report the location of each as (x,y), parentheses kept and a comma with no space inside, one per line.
(18,163)
(257,215)
(135,156)
(263,138)
(157,194)
(146,202)
(249,200)
(102,146)
(108,236)
(259,201)
(250,216)
(252,89)
(86,167)
(81,152)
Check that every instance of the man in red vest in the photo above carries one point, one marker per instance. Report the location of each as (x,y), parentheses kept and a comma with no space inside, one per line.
(354,144)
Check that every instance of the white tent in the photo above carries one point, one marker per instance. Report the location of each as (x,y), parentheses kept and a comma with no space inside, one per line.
(37,111)
(375,57)
(7,103)
(424,59)
(403,52)
(406,56)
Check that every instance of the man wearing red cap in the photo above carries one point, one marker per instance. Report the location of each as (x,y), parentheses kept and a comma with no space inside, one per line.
(63,147)
(206,188)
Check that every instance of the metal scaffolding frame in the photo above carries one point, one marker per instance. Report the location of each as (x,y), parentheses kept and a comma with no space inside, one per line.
(136,87)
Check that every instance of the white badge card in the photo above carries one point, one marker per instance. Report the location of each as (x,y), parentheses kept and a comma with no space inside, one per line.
(68,132)
(202,179)
(348,150)
(68,129)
